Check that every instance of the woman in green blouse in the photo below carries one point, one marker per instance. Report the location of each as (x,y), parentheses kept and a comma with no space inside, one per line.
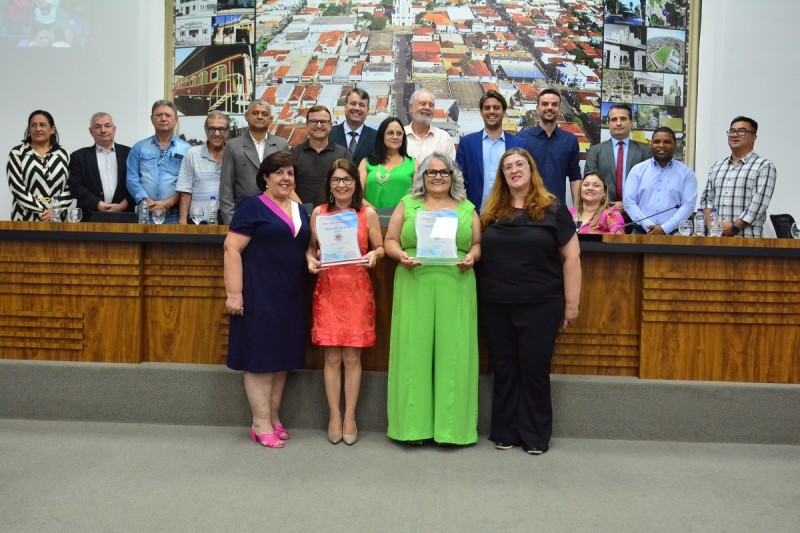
(387,173)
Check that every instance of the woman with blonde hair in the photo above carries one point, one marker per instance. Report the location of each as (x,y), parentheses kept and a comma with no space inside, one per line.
(592,214)
(529,285)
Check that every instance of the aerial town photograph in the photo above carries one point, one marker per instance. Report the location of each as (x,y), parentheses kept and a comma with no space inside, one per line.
(297,53)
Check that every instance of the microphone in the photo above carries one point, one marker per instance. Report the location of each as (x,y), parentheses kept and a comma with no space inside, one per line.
(636,222)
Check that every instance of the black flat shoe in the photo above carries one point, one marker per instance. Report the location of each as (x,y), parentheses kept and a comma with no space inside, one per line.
(503,446)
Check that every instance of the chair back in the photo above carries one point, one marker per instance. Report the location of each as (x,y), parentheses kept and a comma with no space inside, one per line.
(783,225)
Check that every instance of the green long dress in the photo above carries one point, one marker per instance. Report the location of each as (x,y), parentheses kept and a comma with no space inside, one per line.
(433,351)
(387,194)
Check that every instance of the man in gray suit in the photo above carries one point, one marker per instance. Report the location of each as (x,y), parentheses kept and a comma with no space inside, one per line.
(603,157)
(243,156)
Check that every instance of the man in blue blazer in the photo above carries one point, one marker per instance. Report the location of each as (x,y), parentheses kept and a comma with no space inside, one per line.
(602,158)
(479,153)
(96,188)
(353,134)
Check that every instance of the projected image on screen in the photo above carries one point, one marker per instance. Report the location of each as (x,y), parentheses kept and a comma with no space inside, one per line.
(44,23)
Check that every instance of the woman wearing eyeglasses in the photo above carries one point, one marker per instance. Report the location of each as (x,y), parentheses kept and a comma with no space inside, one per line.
(344,306)
(386,174)
(529,285)
(433,352)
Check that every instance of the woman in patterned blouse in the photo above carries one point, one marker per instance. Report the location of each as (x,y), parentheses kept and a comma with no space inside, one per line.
(593,210)
(38,170)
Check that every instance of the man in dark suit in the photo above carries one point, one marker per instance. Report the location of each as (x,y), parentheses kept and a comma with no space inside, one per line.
(479,153)
(97,173)
(603,157)
(243,156)
(353,134)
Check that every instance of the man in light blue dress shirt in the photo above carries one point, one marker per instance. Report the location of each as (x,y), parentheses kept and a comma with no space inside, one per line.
(661,192)
(154,163)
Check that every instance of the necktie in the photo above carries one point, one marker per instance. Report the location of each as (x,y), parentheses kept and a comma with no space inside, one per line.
(353,143)
(620,167)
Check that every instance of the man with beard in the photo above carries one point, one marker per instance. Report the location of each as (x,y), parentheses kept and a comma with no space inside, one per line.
(554,150)
(243,156)
(654,187)
(479,153)
(422,138)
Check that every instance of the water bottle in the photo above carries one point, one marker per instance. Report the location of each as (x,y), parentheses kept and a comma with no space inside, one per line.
(699,224)
(213,207)
(143,211)
(714,224)
(55,209)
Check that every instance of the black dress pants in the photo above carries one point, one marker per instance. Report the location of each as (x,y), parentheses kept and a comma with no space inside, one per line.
(521,339)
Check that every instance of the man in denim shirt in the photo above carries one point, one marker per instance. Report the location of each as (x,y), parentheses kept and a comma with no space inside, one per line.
(154,163)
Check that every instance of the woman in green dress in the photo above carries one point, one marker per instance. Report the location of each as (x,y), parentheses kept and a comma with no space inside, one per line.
(433,350)
(387,173)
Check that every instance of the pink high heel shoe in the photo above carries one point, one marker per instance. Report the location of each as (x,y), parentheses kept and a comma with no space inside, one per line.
(268,440)
(281,431)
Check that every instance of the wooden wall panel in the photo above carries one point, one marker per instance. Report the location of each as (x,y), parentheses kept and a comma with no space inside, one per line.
(605,338)
(70,301)
(184,303)
(721,318)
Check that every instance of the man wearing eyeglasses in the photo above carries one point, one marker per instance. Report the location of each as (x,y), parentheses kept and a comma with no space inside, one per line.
(353,134)
(97,173)
(740,186)
(198,179)
(154,163)
(315,156)
(243,156)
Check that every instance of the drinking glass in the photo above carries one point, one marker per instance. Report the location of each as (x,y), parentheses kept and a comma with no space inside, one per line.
(196,213)
(75,214)
(159,215)
(686,228)
(576,218)
(795,231)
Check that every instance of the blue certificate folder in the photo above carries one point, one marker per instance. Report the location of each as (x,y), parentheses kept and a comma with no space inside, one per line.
(337,234)
(436,237)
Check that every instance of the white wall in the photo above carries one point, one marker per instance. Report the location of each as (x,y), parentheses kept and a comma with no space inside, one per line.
(120,72)
(747,68)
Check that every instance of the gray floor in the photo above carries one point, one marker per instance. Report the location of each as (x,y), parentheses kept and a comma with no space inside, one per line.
(90,476)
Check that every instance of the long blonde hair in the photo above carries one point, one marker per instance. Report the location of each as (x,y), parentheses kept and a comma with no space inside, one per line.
(499,204)
(603,202)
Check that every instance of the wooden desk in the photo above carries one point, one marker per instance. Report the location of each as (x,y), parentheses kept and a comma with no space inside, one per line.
(654,307)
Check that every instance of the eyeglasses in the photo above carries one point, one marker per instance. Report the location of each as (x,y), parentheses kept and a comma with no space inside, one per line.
(511,166)
(221,131)
(741,132)
(395,133)
(161,157)
(319,122)
(431,173)
(347,180)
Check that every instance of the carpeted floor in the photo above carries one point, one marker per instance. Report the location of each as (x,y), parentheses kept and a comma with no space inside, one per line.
(90,476)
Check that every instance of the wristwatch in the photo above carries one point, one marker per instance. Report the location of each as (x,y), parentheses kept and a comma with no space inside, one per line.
(735,230)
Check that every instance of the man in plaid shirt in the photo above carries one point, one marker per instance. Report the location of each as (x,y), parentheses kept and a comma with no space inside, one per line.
(740,186)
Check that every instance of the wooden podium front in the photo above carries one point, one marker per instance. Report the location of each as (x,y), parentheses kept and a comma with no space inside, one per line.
(654,307)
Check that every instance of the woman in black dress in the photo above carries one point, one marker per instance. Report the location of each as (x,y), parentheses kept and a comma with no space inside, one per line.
(529,286)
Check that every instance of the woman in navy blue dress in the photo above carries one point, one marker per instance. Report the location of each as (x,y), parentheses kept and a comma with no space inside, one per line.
(265,276)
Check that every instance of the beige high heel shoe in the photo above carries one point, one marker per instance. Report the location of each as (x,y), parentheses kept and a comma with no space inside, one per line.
(350,439)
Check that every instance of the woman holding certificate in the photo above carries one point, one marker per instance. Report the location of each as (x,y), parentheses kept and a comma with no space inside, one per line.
(345,241)
(386,174)
(433,354)
(265,279)
(529,287)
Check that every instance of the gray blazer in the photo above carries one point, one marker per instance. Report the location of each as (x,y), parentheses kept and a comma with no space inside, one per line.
(602,158)
(237,178)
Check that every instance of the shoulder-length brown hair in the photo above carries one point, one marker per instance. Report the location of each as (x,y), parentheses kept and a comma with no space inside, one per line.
(352,171)
(499,204)
(603,200)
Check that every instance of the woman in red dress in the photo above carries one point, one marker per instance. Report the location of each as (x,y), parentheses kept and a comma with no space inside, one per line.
(344,306)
